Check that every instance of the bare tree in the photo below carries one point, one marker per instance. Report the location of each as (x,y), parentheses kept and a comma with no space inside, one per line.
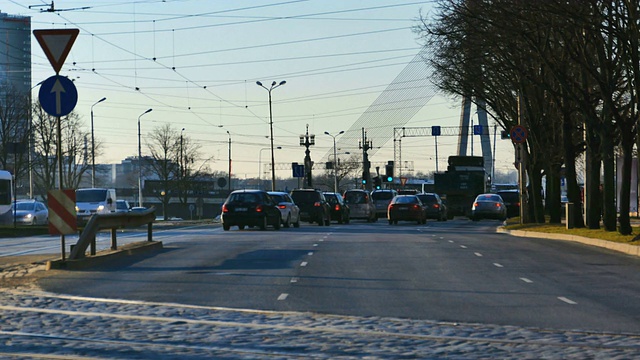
(14,130)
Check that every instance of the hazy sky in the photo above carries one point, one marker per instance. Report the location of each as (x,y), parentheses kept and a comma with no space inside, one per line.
(196,63)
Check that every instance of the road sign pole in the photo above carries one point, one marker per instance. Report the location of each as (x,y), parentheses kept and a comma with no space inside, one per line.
(60,177)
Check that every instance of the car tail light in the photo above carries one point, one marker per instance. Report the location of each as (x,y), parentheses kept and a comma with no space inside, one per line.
(475,205)
(282,207)
(259,208)
(317,203)
(436,206)
(225,208)
(497,204)
(416,206)
(337,208)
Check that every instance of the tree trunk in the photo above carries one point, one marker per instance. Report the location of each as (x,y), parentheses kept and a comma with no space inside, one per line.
(608,205)
(593,201)
(625,183)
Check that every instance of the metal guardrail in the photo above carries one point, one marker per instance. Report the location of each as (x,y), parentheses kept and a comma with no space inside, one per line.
(113,221)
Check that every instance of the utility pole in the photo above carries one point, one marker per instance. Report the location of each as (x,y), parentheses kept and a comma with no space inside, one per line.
(365,145)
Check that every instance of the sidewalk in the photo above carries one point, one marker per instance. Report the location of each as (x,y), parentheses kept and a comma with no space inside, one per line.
(611,245)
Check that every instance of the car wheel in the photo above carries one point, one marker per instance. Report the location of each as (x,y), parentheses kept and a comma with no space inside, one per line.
(263,225)
(34,221)
(390,222)
(241,227)
(297,223)
(321,221)
(287,222)
(327,221)
(276,224)
(226,227)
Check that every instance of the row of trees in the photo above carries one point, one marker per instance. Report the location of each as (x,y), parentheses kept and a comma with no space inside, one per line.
(569,70)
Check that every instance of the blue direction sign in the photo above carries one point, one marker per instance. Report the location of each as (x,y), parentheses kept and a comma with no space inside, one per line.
(298,170)
(58,95)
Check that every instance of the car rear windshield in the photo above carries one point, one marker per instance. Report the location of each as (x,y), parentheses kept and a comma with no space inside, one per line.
(278,198)
(406,200)
(245,198)
(510,196)
(356,197)
(428,199)
(304,197)
(382,195)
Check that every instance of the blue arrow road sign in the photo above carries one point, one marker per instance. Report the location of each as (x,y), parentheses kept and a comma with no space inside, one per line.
(58,95)
(298,170)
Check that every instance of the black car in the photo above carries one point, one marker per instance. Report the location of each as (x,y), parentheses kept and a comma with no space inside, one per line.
(339,210)
(250,208)
(434,206)
(313,206)
(511,199)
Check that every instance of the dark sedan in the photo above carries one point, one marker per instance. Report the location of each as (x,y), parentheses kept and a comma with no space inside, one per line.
(250,208)
(434,206)
(339,210)
(407,208)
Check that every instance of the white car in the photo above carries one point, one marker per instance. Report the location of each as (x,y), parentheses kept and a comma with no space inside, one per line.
(288,209)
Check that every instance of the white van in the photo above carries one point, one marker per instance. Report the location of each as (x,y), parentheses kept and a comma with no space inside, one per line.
(94,200)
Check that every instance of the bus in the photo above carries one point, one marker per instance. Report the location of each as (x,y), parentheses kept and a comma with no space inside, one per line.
(6,197)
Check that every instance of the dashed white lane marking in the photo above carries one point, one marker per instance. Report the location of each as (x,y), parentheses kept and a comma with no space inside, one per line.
(462,246)
(294,280)
(451,241)
(304,263)
(315,245)
(478,254)
(283,296)
(526,280)
(497,265)
(568,301)
(310,253)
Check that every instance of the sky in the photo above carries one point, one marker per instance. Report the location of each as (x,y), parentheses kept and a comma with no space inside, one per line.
(196,63)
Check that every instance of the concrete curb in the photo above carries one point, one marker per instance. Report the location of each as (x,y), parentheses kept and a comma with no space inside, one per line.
(623,248)
(101,258)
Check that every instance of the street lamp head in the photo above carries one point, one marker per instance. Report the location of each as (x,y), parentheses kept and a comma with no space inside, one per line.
(341,132)
(103,99)
(259,83)
(148,111)
(273,83)
(327,133)
(281,83)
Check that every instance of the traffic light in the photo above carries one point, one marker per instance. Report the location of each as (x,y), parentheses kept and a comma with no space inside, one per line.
(388,171)
(377,182)
(504,134)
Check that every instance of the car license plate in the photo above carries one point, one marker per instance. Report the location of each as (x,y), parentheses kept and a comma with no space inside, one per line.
(241,209)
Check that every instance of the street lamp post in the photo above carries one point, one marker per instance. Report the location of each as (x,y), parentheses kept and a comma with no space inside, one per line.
(273,162)
(140,160)
(228,133)
(93,146)
(335,174)
(260,163)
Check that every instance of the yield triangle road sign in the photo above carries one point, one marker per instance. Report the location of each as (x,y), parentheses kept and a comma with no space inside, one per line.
(56,44)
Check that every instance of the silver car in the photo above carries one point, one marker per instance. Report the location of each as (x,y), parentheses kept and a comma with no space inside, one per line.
(488,206)
(31,212)
(288,209)
(361,205)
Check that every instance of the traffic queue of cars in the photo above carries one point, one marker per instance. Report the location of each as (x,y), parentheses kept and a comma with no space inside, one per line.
(258,208)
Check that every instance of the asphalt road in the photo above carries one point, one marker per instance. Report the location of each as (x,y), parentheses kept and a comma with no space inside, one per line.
(457,271)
